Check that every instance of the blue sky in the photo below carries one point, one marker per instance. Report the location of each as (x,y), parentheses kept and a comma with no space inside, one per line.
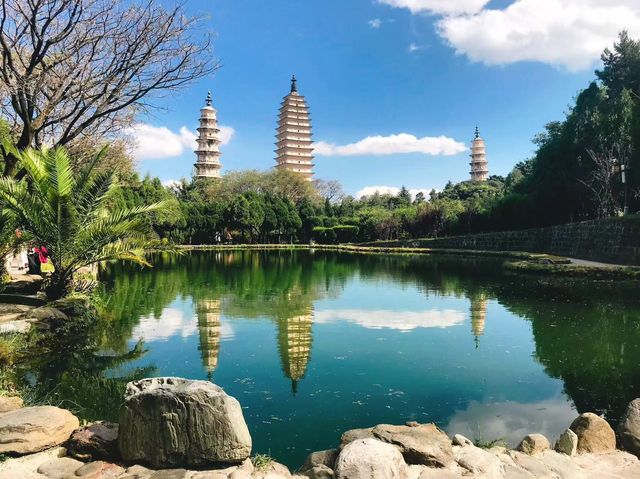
(427,68)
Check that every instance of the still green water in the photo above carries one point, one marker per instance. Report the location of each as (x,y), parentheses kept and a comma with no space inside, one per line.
(315,343)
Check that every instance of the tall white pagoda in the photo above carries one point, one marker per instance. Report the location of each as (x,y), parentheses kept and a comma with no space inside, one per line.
(294,150)
(479,164)
(208,153)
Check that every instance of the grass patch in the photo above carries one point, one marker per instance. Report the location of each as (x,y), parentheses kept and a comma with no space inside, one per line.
(262,461)
(11,346)
(488,444)
(573,270)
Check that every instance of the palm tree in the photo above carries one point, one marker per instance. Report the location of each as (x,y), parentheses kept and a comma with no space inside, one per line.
(71,216)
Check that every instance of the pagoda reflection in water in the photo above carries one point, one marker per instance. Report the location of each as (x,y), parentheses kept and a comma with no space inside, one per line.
(478,316)
(294,342)
(210,329)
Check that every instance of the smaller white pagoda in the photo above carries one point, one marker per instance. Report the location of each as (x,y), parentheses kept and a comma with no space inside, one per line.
(479,163)
(208,153)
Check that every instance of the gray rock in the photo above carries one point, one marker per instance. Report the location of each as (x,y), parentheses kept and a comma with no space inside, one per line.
(354,434)
(170,474)
(629,428)
(44,313)
(319,472)
(533,444)
(10,403)
(567,443)
(209,475)
(274,469)
(60,468)
(96,441)
(562,465)
(594,434)
(240,474)
(33,429)
(530,464)
(478,461)
(321,458)
(100,470)
(370,459)
(460,440)
(424,444)
(19,326)
(25,284)
(440,474)
(137,472)
(168,422)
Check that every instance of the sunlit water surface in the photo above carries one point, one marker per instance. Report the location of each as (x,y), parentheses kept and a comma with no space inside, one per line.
(315,343)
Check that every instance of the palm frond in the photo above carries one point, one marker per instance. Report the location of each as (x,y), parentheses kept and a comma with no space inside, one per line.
(59,173)
(87,172)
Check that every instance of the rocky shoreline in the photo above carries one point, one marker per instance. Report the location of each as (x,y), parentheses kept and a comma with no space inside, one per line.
(173,428)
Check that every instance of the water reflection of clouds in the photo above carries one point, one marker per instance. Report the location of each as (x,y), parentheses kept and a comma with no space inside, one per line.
(173,322)
(398,320)
(512,421)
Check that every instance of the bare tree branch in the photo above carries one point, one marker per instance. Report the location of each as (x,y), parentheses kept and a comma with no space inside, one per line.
(76,68)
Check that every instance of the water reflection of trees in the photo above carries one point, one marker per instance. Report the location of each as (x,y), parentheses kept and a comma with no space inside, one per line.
(67,366)
(586,335)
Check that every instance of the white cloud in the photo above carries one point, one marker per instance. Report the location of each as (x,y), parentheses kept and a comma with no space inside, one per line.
(414,48)
(439,7)
(398,320)
(391,190)
(159,142)
(226,133)
(172,322)
(570,34)
(566,33)
(375,23)
(393,144)
(513,420)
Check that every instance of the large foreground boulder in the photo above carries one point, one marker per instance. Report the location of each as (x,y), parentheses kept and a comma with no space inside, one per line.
(370,459)
(33,429)
(594,434)
(629,428)
(422,444)
(166,422)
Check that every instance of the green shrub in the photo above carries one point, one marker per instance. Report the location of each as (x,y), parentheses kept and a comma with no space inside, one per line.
(346,233)
(323,235)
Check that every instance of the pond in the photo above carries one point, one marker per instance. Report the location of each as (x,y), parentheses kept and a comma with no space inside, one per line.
(315,343)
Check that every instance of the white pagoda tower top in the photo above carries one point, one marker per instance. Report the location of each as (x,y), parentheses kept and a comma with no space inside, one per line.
(208,153)
(479,164)
(294,147)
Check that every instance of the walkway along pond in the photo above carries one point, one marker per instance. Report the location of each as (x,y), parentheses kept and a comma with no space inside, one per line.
(316,343)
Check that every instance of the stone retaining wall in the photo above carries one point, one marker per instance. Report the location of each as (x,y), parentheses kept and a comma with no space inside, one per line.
(611,240)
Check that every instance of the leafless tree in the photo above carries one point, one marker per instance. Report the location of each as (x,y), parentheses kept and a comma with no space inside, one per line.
(73,68)
(601,180)
(330,190)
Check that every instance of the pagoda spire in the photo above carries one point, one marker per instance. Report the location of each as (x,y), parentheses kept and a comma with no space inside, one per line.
(477,132)
(209,98)
(294,146)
